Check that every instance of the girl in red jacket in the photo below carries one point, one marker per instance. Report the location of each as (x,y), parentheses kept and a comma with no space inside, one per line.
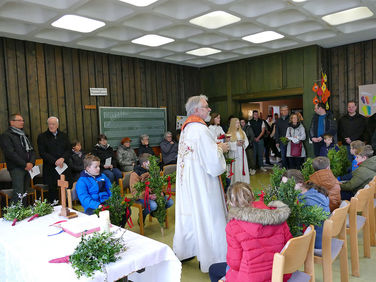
(254,233)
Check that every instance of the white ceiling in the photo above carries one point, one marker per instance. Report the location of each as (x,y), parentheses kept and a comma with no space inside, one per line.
(300,23)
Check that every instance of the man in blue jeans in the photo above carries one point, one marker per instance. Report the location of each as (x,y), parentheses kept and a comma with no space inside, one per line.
(281,126)
(141,173)
(258,127)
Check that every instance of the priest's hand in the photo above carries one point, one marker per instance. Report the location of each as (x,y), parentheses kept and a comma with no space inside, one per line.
(224,146)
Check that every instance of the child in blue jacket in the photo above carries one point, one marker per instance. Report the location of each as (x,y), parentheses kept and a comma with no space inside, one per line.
(92,188)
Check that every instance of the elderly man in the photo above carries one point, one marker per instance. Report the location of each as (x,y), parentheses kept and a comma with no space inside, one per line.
(322,123)
(19,155)
(169,149)
(54,148)
(200,215)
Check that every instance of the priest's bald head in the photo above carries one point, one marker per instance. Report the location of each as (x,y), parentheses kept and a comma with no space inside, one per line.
(198,106)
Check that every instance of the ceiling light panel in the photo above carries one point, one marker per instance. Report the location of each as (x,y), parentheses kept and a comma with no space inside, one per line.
(262,37)
(215,20)
(347,16)
(77,23)
(205,51)
(139,3)
(152,40)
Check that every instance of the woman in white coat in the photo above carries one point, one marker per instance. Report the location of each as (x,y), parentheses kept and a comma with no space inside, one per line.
(295,148)
(216,128)
(238,143)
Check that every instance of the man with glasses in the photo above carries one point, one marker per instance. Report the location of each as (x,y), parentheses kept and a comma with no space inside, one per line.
(19,155)
(200,210)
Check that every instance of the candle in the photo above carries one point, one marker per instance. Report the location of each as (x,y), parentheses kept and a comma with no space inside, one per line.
(104,221)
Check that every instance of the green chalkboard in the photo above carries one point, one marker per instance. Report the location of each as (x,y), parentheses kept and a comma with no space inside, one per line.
(119,122)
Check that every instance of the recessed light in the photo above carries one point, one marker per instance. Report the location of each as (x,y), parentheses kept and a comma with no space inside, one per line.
(77,23)
(152,40)
(348,16)
(215,20)
(298,1)
(262,37)
(205,51)
(139,3)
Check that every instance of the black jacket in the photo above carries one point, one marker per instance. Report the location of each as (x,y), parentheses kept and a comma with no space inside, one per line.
(330,126)
(104,154)
(281,126)
(353,127)
(145,149)
(169,152)
(51,148)
(250,135)
(15,154)
(76,164)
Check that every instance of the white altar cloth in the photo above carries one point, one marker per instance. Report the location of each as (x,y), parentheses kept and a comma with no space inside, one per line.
(25,250)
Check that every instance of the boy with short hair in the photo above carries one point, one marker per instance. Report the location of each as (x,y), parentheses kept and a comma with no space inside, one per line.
(325,178)
(93,188)
(328,144)
(355,147)
(141,173)
(362,175)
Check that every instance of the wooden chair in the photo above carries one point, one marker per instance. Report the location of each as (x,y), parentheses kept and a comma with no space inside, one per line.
(124,182)
(297,251)
(334,243)
(7,193)
(372,212)
(37,183)
(359,204)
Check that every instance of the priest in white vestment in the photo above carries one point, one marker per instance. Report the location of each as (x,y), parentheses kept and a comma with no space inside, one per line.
(200,209)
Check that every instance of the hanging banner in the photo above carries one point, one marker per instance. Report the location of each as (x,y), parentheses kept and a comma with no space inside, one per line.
(367,99)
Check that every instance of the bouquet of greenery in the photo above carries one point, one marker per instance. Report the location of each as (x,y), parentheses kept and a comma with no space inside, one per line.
(155,185)
(17,212)
(284,140)
(94,252)
(339,162)
(229,161)
(118,206)
(307,169)
(42,208)
(300,215)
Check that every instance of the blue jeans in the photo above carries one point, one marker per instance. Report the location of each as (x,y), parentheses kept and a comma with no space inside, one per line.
(258,152)
(283,149)
(113,174)
(153,206)
(217,271)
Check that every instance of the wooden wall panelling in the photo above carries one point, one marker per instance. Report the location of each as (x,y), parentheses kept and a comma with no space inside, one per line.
(173,108)
(373,56)
(368,62)
(153,84)
(131,79)
(92,99)
(12,82)
(84,76)
(340,108)
(272,68)
(147,82)
(22,84)
(163,89)
(255,75)
(350,73)
(98,70)
(70,106)
(137,82)
(106,101)
(238,76)
(3,91)
(42,86)
(359,67)
(79,107)
(119,82)
(52,100)
(113,90)
(293,62)
(125,81)
(60,90)
(334,80)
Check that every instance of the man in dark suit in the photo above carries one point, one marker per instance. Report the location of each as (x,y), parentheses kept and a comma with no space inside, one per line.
(54,148)
(19,155)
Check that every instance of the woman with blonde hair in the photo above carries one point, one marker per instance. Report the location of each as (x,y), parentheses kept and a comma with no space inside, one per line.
(295,133)
(254,232)
(216,128)
(238,143)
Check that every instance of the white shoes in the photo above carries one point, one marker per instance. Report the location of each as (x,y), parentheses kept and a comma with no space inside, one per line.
(252,171)
(263,169)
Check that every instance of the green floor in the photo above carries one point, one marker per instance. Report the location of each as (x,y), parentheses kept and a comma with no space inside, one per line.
(192,273)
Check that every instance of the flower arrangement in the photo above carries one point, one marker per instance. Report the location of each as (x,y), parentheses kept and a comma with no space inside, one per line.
(307,169)
(339,162)
(119,208)
(322,92)
(42,208)
(300,215)
(16,212)
(95,251)
(154,185)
